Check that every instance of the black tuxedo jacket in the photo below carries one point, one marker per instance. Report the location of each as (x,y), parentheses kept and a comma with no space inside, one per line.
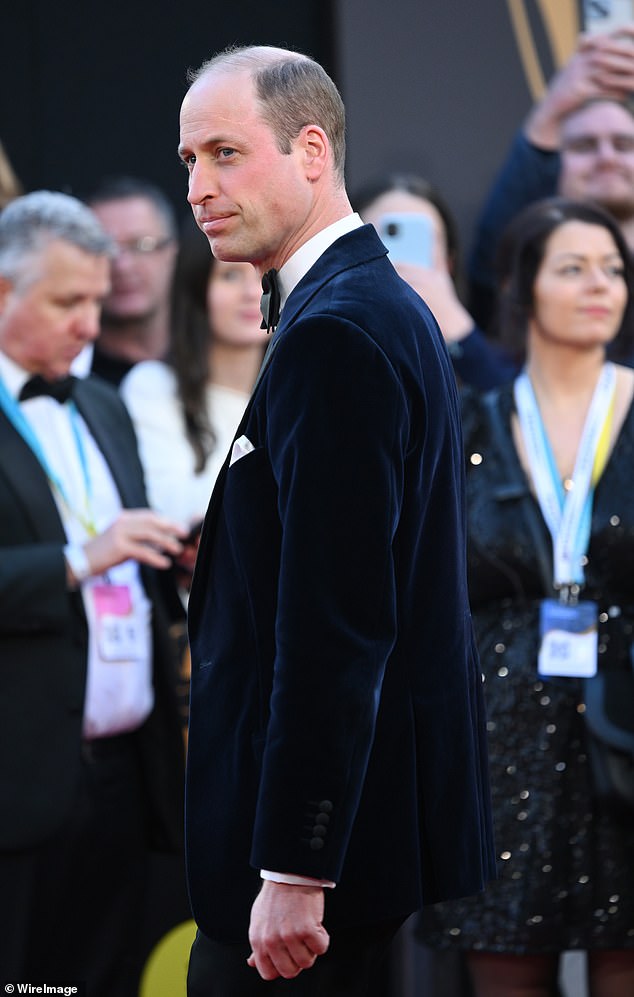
(337,727)
(44,640)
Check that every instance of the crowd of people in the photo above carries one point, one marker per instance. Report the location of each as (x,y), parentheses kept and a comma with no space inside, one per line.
(332,542)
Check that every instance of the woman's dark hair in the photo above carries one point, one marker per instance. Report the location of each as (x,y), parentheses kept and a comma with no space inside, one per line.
(411,183)
(189,349)
(519,256)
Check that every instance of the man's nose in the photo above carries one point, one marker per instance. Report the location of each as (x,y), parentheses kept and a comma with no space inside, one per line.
(202,184)
(87,322)
(606,150)
(123,257)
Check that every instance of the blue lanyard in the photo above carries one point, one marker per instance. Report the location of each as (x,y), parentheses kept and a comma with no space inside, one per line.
(568,514)
(16,416)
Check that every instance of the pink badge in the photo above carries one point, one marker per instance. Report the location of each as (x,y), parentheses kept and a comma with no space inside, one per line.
(112,600)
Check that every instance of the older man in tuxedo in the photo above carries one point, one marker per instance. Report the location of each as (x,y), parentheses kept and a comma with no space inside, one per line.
(90,746)
(336,749)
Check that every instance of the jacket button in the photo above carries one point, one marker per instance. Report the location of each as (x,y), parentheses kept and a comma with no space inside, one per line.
(316,844)
(319,831)
(323,819)
(326,806)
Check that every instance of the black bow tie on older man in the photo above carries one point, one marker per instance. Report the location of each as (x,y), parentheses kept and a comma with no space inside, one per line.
(61,389)
(270,301)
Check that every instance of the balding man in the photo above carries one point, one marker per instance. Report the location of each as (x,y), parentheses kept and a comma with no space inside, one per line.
(336,750)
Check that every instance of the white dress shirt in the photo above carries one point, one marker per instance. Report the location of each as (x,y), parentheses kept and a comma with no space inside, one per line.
(119,694)
(303,259)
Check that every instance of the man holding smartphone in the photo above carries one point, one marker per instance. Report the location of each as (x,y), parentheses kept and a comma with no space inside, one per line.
(577,141)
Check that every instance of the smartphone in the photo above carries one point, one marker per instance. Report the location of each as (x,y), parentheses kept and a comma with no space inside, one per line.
(408,237)
(193,534)
(600,16)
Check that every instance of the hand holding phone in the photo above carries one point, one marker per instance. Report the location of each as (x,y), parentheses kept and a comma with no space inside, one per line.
(194,533)
(185,561)
(607,15)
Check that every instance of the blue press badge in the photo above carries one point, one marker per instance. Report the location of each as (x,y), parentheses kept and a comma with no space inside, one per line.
(569,639)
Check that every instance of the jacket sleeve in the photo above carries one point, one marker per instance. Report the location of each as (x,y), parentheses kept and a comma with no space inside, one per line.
(480,362)
(33,590)
(336,608)
(527,175)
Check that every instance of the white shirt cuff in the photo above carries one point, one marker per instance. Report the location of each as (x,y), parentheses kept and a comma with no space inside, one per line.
(292,880)
(78,562)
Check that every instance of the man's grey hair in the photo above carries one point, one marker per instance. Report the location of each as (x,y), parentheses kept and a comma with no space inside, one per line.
(293,91)
(29,223)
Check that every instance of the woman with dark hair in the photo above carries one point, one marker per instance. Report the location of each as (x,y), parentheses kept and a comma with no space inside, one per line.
(10,186)
(476,361)
(185,410)
(418,194)
(550,472)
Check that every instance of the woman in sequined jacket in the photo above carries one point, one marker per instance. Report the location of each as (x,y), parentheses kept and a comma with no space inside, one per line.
(566,875)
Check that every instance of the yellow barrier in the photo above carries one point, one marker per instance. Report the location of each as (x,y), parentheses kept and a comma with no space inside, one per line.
(165,973)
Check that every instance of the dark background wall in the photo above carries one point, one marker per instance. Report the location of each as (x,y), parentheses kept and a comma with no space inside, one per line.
(89,89)
(438,87)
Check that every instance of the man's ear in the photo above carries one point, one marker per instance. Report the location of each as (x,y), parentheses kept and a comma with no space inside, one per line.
(316,150)
(6,289)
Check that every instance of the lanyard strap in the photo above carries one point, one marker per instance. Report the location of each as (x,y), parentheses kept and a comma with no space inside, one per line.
(16,416)
(567,513)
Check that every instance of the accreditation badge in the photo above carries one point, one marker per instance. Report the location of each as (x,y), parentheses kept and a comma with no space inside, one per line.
(569,639)
(120,630)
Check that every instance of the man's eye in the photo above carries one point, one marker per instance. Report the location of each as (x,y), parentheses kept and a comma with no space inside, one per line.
(225,153)
(582,146)
(623,143)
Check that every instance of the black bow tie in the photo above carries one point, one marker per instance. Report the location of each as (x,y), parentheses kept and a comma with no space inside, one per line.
(61,389)
(270,301)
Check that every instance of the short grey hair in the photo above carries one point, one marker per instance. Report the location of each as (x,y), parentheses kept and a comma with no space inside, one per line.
(29,223)
(293,90)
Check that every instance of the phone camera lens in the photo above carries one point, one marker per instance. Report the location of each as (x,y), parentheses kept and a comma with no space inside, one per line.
(392,229)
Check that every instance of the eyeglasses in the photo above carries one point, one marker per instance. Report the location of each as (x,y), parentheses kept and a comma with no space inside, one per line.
(142,246)
(591,144)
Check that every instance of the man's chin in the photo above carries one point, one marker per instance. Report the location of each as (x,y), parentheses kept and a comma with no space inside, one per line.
(617,198)
(619,206)
(125,315)
(221,251)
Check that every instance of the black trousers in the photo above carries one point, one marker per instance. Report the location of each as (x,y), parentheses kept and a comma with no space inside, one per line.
(70,908)
(347,969)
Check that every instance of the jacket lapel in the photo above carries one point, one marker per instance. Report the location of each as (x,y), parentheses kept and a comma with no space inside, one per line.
(351,250)
(30,484)
(95,403)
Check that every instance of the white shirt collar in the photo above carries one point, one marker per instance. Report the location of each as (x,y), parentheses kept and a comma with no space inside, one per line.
(14,376)
(301,261)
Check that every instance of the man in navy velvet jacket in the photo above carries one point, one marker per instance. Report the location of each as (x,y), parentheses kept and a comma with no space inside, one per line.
(336,745)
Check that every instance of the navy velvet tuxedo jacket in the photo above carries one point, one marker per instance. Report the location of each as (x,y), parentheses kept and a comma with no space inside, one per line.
(44,644)
(337,727)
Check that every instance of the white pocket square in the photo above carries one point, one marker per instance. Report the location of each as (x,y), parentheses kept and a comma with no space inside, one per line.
(241,448)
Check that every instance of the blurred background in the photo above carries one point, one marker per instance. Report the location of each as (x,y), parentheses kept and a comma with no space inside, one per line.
(433,87)
(89,89)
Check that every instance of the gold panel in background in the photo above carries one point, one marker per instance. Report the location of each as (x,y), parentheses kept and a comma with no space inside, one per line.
(560,19)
